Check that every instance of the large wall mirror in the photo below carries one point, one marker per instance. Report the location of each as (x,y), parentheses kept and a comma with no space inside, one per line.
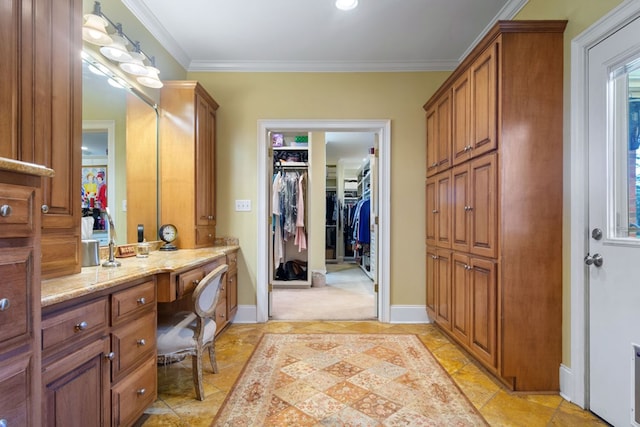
(119,161)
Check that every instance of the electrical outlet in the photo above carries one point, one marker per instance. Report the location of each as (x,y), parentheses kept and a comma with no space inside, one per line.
(243,205)
(124,205)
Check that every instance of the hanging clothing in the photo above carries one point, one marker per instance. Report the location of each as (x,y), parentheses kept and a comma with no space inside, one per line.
(361,232)
(278,244)
(301,238)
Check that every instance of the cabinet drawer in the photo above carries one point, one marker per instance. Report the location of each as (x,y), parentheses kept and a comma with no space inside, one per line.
(132,300)
(14,384)
(16,289)
(131,396)
(131,342)
(74,324)
(188,281)
(221,313)
(16,208)
(232,261)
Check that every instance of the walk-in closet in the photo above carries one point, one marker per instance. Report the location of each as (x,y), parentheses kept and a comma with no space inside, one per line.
(289,209)
(343,288)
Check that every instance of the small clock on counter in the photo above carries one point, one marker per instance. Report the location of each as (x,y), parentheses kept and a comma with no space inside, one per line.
(168,234)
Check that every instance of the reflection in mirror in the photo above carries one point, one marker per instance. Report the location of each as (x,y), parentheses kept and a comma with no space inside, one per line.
(634,150)
(119,155)
(97,142)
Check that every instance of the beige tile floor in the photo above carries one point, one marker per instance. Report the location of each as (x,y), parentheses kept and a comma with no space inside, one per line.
(176,404)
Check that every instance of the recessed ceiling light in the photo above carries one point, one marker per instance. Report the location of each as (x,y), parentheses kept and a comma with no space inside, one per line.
(346,4)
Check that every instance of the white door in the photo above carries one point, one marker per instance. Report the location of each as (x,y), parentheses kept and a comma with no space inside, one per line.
(613,261)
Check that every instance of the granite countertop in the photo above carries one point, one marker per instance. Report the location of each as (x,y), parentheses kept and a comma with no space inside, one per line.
(93,279)
(12,165)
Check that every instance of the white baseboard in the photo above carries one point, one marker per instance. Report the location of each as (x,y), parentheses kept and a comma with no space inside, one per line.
(566,383)
(409,314)
(246,314)
(399,314)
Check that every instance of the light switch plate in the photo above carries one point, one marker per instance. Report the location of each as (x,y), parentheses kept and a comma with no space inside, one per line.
(243,205)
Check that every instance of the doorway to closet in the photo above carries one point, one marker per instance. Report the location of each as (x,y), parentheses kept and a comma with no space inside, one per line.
(316,187)
(345,288)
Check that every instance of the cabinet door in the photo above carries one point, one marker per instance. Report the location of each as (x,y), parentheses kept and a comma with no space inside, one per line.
(483,294)
(77,388)
(16,291)
(205,119)
(432,210)
(461,119)
(16,397)
(432,143)
(232,294)
(461,221)
(11,34)
(444,131)
(484,94)
(205,172)
(432,274)
(58,130)
(443,210)
(443,292)
(460,321)
(483,206)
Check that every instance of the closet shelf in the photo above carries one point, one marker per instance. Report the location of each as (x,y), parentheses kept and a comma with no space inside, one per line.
(289,148)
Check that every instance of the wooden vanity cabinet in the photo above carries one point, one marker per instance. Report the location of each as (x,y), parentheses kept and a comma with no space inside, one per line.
(76,365)
(187,162)
(502,301)
(41,107)
(20,361)
(99,357)
(134,379)
(174,289)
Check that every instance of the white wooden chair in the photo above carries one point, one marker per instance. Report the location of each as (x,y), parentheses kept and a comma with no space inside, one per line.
(190,333)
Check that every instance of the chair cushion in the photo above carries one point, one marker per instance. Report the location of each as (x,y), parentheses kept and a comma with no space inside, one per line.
(176,332)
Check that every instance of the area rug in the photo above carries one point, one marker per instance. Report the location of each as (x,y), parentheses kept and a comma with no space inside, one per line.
(345,380)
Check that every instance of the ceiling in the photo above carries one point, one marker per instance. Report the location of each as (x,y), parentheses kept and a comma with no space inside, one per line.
(314,36)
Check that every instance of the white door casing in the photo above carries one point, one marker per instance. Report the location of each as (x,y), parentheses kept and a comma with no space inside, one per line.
(383,129)
(583,386)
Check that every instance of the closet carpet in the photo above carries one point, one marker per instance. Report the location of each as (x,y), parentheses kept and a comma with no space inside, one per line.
(348,295)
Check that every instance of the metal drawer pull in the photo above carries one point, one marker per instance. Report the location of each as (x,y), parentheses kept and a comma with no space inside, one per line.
(141,342)
(82,326)
(4,305)
(142,301)
(5,211)
(195,282)
(4,423)
(110,356)
(141,392)
(45,209)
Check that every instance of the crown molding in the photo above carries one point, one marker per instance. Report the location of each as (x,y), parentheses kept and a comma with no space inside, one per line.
(321,66)
(151,23)
(508,11)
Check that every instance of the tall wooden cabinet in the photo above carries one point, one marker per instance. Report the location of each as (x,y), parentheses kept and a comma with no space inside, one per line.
(187,162)
(20,196)
(494,284)
(42,103)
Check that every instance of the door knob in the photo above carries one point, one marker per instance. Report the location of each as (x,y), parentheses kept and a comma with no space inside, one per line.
(596,260)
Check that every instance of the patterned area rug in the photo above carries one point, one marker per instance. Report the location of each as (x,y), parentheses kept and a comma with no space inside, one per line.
(345,380)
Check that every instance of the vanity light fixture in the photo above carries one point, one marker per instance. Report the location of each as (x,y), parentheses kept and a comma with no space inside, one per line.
(151,79)
(135,65)
(346,4)
(117,51)
(114,47)
(94,30)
